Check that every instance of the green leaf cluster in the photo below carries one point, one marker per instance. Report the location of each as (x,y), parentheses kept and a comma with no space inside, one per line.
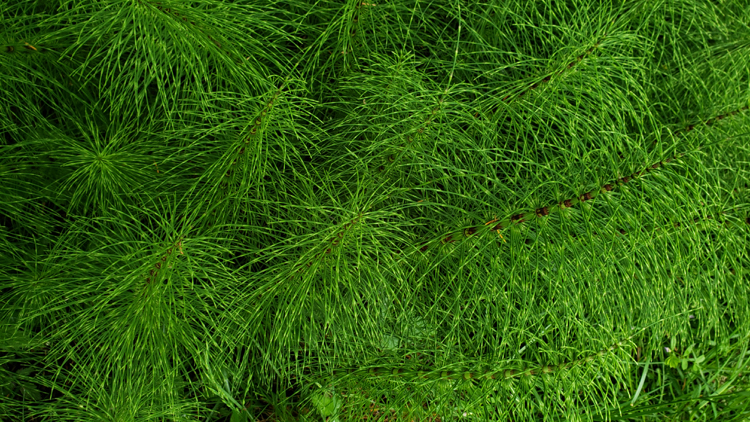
(393,210)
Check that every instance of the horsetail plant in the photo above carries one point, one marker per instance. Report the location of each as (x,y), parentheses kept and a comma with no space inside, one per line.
(388,210)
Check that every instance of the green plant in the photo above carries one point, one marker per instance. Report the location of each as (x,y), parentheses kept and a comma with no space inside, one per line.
(491,210)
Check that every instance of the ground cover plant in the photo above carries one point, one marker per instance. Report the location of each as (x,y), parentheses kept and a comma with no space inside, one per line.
(374,210)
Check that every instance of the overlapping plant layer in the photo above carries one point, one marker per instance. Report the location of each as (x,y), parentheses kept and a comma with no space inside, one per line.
(402,210)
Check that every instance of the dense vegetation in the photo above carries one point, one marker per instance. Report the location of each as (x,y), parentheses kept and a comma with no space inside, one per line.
(347,210)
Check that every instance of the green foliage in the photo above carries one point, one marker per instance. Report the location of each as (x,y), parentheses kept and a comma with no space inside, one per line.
(397,210)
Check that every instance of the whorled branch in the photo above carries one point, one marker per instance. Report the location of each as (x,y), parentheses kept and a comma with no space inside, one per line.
(486,373)
(507,98)
(568,203)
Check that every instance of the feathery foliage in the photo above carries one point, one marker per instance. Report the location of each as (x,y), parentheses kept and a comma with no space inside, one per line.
(402,210)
